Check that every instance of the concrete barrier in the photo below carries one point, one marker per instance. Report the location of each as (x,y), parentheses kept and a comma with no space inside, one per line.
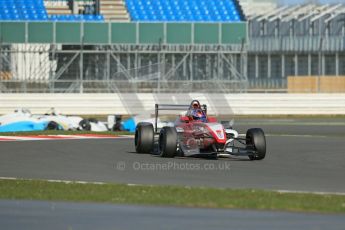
(218,104)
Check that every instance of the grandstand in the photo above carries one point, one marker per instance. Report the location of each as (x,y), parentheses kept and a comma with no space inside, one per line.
(296,40)
(200,44)
(139,10)
(184,10)
(166,45)
(36,10)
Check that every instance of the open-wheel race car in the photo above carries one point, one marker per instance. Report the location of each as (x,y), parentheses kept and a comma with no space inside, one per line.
(196,134)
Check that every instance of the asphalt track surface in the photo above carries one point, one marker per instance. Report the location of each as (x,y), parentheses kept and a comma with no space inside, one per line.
(304,157)
(309,157)
(32,215)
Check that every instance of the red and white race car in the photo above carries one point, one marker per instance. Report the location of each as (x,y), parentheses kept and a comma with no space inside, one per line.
(195,134)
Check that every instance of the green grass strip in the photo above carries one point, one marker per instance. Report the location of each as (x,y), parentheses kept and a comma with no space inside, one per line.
(171,196)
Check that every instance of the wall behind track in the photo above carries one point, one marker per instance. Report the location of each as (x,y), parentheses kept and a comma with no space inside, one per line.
(218,104)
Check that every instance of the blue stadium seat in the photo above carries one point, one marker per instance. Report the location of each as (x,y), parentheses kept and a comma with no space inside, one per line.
(18,10)
(34,10)
(185,10)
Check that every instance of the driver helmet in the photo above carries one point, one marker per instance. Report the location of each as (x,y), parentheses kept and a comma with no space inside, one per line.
(195,104)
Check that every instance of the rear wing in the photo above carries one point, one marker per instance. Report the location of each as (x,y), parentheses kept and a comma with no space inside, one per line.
(171,107)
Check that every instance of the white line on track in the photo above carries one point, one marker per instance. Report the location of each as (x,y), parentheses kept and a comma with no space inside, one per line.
(102,183)
(307,192)
(54,181)
(287,135)
(294,135)
(59,137)
(77,137)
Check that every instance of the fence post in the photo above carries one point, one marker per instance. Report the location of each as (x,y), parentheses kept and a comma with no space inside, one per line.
(97,6)
(320,65)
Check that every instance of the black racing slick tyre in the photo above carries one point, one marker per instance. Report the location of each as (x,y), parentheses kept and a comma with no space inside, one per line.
(256,140)
(168,142)
(144,137)
(85,124)
(52,125)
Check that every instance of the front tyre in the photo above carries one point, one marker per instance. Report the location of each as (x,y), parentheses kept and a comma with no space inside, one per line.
(52,125)
(144,137)
(255,138)
(85,125)
(168,142)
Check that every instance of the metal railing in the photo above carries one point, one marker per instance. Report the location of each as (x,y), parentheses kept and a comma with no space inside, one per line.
(296,44)
(67,69)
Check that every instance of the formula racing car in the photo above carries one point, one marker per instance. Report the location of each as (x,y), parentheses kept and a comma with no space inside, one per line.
(194,134)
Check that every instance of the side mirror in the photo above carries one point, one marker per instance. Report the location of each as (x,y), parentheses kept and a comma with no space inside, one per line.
(228,124)
(231,123)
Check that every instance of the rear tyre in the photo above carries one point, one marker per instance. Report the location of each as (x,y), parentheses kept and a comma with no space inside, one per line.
(85,125)
(256,139)
(144,137)
(52,125)
(168,142)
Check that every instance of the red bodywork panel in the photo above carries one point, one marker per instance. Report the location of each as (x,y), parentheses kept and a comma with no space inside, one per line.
(211,119)
(205,134)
